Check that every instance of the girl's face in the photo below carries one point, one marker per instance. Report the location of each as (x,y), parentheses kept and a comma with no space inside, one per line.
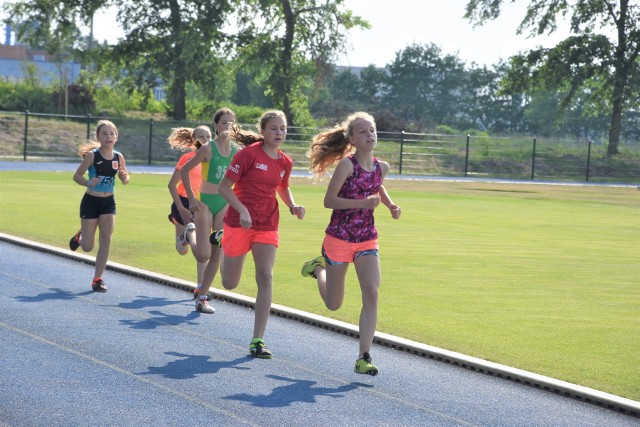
(274,132)
(202,134)
(225,123)
(107,135)
(363,134)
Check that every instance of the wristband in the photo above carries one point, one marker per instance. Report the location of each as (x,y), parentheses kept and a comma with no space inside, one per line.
(88,185)
(291,208)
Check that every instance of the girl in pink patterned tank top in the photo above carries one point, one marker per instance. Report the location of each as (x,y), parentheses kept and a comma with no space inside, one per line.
(354,191)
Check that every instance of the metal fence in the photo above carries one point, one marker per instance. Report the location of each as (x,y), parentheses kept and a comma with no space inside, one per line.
(32,137)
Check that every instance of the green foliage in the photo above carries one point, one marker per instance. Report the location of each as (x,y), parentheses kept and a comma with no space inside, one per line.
(204,111)
(168,42)
(290,38)
(603,65)
(31,74)
(21,97)
(347,91)
(423,85)
(115,102)
(446,130)
(280,57)
(249,89)
(112,102)
(77,99)
(50,25)
(476,132)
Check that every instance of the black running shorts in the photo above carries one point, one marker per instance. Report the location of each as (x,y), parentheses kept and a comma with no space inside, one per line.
(91,207)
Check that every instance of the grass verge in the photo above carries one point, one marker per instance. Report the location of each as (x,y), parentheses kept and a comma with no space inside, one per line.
(539,277)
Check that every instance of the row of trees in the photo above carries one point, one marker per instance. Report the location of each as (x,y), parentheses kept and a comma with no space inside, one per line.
(423,90)
(196,41)
(280,53)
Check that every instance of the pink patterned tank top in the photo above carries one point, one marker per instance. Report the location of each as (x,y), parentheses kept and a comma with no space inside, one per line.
(356,225)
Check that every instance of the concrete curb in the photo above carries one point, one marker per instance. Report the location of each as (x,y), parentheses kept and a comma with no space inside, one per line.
(585,394)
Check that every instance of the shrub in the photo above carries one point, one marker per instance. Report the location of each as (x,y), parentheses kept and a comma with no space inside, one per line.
(446,130)
(21,97)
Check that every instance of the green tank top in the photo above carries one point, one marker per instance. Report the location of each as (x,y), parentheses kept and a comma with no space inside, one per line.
(213,170)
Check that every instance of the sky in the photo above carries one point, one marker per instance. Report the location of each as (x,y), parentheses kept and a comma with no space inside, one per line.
(397,24)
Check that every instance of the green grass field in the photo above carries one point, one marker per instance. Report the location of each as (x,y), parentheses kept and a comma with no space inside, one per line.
(544,278)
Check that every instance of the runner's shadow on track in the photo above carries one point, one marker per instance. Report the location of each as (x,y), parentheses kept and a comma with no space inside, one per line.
(189,366)
(162,319)
(297,391)
(57,294)
(145,302)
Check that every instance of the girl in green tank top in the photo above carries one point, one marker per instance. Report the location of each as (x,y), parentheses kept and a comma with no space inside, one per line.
(209,210)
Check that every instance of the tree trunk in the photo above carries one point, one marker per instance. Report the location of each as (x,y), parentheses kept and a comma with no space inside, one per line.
(614,127)
(290,20)
(179,100)
(178,96)
(619,81)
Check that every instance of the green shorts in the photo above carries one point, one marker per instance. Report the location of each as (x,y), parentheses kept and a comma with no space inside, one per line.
(214,202)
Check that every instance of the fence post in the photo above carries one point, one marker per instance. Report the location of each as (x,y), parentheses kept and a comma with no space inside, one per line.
(533,160)
(466,157)
(588,158)
(26,132)
(401,150)
(150,138)
(88,127)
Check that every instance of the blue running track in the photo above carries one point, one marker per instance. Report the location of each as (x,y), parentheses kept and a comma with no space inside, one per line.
(139,354)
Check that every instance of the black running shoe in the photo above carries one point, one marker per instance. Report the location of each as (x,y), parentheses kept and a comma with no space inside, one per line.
(98,286)
(215,238)
(74,243)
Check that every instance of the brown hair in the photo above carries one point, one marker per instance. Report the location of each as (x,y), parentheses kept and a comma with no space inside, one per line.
(221,112)
(329,147)
(246,137)
(88,146)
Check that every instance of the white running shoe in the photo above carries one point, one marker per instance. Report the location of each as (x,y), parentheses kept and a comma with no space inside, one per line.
(182,241)
(181,246)
(203,306)
(187,229)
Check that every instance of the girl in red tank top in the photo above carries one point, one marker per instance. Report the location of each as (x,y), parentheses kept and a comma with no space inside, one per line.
(250,184)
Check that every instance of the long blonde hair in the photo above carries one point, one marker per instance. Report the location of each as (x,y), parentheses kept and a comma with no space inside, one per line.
(329,147)
(184,138)
(88,146)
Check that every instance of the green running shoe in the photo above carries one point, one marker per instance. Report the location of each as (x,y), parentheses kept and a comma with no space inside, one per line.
(364,366)
(309,267)
(258,349)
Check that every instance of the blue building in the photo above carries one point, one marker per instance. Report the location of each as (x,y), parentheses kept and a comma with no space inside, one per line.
(15,57)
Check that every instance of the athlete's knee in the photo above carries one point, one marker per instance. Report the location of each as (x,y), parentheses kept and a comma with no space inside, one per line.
(370,295)
(105,239)
(86,247)
(333,305)
(202,254)
(229,282)
(264,277)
